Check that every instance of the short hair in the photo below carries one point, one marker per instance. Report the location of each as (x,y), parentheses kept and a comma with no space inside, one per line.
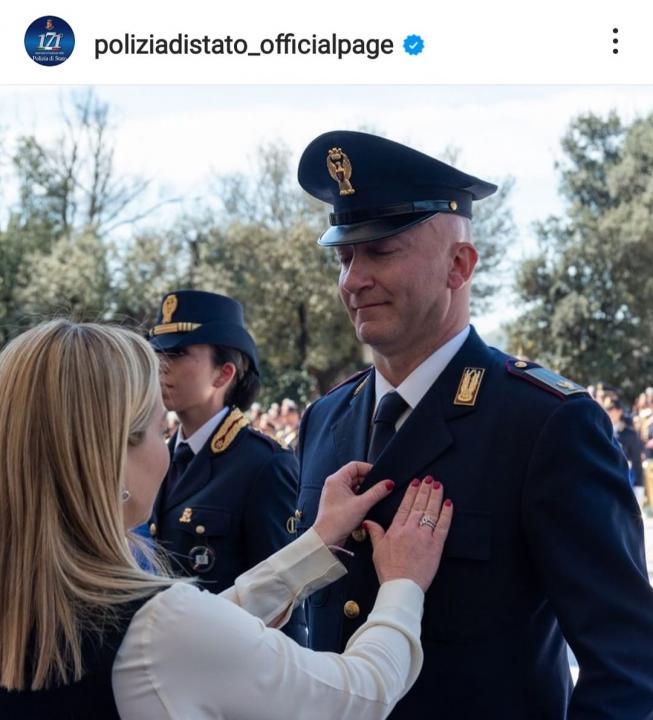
(245,386)
(73,398)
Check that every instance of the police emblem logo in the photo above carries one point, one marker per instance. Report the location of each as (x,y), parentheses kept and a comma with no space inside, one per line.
(202,558)
(339,167)
(49,40)
(168,308)
(470,383)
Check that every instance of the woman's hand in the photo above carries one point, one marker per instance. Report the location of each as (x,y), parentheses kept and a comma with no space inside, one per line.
(341,510)
(412,546)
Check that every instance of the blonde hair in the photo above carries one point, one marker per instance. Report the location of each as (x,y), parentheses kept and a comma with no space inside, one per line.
(73,397)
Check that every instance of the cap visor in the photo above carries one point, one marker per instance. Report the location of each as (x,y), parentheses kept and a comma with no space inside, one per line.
(368,231)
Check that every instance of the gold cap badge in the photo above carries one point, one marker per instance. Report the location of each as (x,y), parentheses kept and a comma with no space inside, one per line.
(168,308)
(339,167)
(469,386)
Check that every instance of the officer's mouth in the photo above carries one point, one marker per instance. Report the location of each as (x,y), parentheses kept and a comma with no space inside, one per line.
(367,306)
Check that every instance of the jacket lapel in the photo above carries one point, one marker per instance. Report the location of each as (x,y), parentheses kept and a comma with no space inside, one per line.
(200,470)
(350,432)
(196,475)
(426,434)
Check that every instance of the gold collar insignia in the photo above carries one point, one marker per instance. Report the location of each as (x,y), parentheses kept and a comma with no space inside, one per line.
(228,431)
(469,386)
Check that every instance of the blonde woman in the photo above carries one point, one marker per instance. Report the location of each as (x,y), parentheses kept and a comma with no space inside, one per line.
(86,633)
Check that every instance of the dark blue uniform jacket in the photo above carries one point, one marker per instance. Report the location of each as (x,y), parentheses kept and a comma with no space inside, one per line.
(230,509)
(546,545)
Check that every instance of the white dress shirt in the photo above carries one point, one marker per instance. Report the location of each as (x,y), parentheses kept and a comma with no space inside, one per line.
(200,437)
(416,385)
(192,655)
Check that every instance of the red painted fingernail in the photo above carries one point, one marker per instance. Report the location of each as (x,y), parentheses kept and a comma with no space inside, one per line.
(448,503)
(389,485)
(436,485)
(415,482)
(428,479)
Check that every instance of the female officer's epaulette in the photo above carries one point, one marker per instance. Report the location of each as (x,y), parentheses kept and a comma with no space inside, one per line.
(361,375)
(544,378)
(228,431)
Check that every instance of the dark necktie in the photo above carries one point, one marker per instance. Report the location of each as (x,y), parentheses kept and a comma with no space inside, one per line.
(390,408)
(181,459)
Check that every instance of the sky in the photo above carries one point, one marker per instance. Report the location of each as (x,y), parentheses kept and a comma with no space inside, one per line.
(180,135)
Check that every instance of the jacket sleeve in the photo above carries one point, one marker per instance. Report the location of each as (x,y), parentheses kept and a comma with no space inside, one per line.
(192,654)
(585,534)
(271,501)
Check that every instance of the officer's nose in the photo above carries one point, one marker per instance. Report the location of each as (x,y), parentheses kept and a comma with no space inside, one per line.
(355,275)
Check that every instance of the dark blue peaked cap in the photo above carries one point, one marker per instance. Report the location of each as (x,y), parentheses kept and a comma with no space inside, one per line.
(194,317)
(378,187)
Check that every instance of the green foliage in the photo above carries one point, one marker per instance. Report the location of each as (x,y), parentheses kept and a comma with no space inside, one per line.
(588,292)
(254,238)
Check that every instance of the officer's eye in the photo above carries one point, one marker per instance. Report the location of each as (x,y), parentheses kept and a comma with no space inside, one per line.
(344,258)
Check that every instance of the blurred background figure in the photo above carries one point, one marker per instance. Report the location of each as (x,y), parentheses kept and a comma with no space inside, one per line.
(629,441)
(172,424)
(288,434)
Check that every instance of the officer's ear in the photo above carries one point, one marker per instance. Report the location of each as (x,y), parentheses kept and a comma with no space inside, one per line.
(463,261)
(224,375)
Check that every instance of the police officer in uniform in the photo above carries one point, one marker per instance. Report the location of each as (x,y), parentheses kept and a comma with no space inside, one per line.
(547,540)
(226,501)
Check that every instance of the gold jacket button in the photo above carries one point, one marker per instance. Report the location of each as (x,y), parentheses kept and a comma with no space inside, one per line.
(153,529)
(359,534)
(291,525)
(200,529)
(521,364)
(351,609)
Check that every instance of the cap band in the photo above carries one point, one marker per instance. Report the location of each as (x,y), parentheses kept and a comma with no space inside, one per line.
(178,327)
(409,208)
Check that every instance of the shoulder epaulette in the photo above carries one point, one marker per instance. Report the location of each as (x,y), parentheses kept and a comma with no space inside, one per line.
(228,431)
(353,379)
(272,442)
(544,378)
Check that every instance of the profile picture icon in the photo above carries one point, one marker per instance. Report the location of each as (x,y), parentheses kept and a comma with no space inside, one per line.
(49,40)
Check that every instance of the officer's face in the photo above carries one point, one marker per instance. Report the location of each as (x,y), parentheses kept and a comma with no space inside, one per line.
(146,466)
(189,378)
(403,292)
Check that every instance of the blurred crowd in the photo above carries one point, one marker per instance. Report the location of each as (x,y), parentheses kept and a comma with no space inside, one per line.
(280,421)
(633,429)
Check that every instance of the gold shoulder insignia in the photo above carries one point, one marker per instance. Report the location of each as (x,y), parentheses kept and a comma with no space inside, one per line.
(470,383)
(228,431)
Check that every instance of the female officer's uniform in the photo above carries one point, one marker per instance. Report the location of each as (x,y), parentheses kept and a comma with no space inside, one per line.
(223,509)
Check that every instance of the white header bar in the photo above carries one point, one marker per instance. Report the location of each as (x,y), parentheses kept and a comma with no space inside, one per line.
(336,43)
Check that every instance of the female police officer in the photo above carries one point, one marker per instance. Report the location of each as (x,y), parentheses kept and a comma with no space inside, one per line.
(225,502)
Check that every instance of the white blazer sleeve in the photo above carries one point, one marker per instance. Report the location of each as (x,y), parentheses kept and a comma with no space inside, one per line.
(273,588)
(190,654)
